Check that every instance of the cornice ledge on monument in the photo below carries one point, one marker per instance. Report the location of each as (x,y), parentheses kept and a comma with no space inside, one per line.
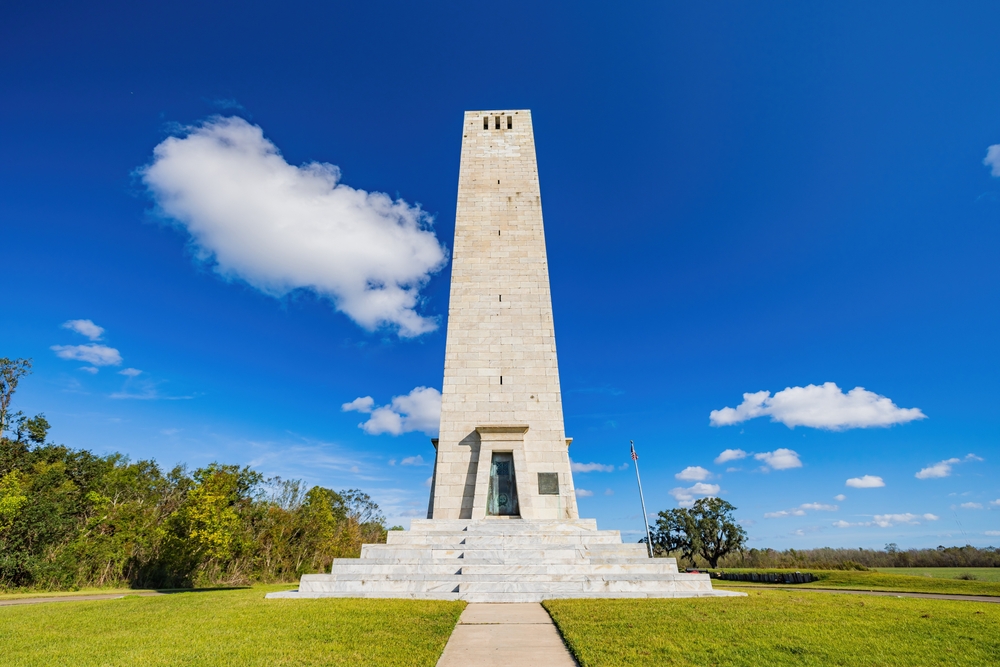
(501,429)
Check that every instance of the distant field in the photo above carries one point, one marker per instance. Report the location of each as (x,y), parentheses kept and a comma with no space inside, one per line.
(779,627)
(883,581)
(980,573)
(236,627)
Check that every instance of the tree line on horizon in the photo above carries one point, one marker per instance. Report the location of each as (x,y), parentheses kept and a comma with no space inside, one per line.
(72,519)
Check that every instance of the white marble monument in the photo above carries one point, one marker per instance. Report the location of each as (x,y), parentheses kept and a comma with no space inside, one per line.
(502,523)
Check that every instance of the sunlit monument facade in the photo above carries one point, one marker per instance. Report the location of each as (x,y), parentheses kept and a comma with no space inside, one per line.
(502,522)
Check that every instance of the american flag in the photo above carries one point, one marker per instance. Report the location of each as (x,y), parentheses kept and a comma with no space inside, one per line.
(635,457)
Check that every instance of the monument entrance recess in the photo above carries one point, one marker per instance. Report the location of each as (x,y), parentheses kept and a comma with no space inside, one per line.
(502,522)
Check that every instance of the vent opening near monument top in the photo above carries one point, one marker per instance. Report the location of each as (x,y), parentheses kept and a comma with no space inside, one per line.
(497,124)
(510,123)
(486,122)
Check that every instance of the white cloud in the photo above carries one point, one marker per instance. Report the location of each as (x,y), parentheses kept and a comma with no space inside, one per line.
(412,461)
(780,459)
(590,467)
(801,510)
(130,372)
(840,497)
(995,503)
(420,410)
(280,227)
(685,496)
(818,406)
(96,355)
(85,328)
(819,507)
(428,482)
(730,455)
(866,482)
(971,506)
(363,404)
(693,474)
(889,520)
(992,159)
(943,468)
(623,466)
(584,493)
(993,532)
(609,492)
(93,370)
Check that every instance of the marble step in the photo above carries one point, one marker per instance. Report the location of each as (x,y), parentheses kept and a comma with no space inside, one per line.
(399,538)
(419,525)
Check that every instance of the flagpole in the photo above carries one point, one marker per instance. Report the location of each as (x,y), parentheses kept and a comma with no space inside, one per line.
(645,522)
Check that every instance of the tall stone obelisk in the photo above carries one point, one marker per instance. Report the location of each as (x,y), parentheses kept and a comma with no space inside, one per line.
(502,449)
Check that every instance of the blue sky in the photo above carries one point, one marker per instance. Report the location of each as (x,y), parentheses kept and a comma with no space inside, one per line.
(737,199)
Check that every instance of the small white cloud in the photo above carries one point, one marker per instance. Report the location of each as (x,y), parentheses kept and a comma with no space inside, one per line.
(819,507)
(733,469)
(281,227)
(412,461)
(685,496)
(784,513)
(693,474)
(584,493)
(993,532)
(943,468)
(93,370)
(887,520)
(840,497)
(840,523)
(392,462)
(818,406)
(96,355)
(360,404)
(992,159)
(940,469)
(623,466)
(130,372)
(428,482)
(866,482)
(730,455)
(971,506)
(995,503)
(420,410)
(590,467)
(609,492)
(780,459)
(84,328)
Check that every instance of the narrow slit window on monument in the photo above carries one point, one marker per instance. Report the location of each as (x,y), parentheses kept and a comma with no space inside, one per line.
(497,124)
(486,122)
(510,123)
(501,379)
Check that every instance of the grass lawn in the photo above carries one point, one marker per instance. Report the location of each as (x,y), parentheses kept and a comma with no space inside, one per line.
(980,573)
(778,627)
(881,581)
(234,627)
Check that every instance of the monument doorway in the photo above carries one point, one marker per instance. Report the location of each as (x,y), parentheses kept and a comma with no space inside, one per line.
(501,498)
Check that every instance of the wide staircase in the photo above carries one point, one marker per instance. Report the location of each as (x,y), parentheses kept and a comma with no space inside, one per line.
(503,560)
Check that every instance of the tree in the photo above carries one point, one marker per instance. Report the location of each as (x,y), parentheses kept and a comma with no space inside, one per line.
(11,372)
(708,530)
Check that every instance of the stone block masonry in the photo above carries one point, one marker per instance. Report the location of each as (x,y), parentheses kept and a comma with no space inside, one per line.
(501,378)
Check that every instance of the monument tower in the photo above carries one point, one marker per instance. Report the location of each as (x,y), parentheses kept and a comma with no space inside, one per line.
(502,523)
(502,449)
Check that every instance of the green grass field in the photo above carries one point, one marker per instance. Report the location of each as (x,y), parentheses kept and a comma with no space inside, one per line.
(235,627)
(883,581)
(779,627)
(980,573)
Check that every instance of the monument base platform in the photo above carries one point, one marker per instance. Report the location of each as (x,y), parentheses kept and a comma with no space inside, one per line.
(503,560)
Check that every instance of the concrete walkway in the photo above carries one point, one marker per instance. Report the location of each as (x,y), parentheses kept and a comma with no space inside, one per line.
(502,635)
(894,594)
